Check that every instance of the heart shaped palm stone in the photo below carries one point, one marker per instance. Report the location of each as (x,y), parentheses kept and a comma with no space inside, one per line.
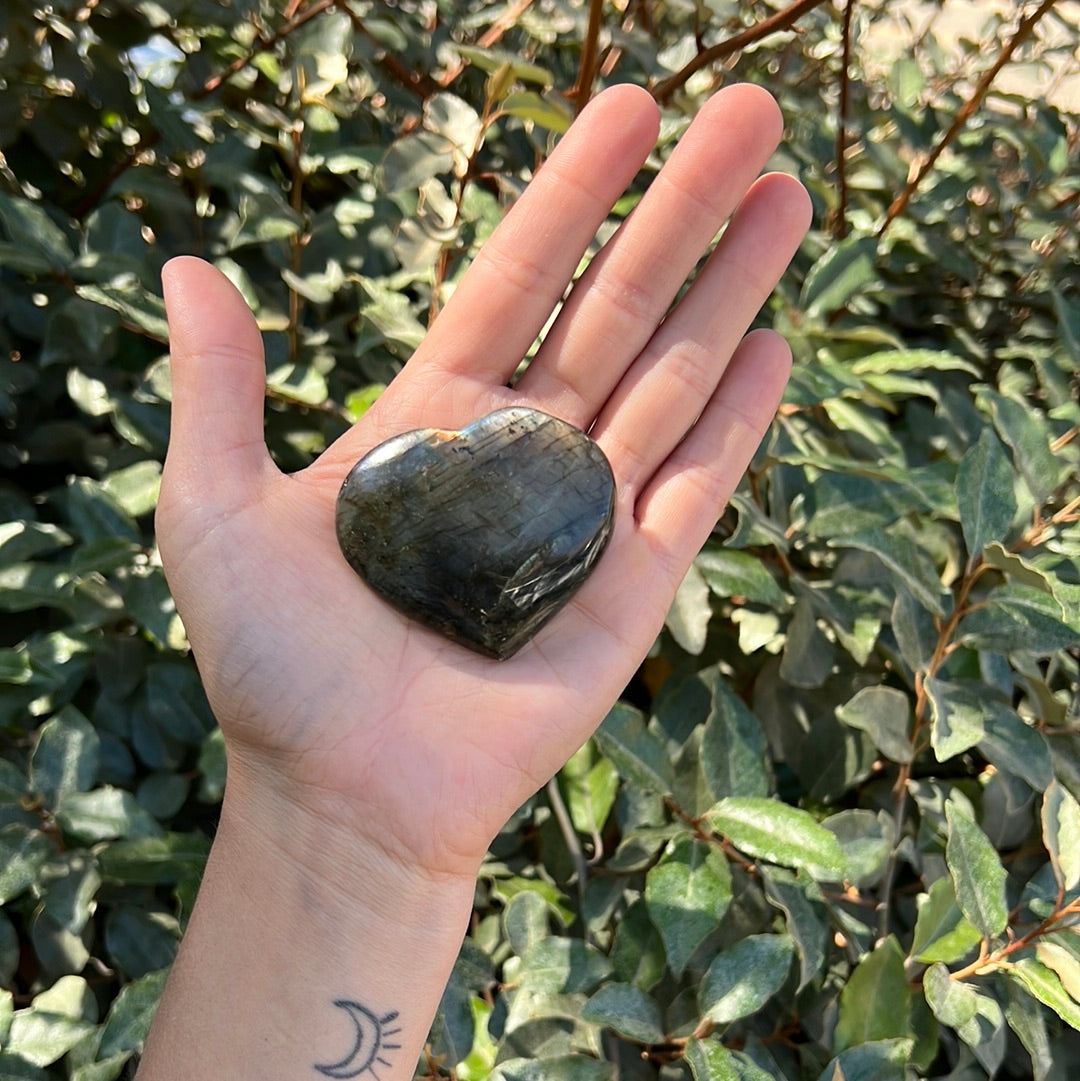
(482,534)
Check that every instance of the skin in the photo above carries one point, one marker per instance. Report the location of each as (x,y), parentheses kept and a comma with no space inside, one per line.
(370,761)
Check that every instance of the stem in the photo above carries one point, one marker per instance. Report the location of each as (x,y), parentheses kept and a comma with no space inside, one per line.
(967,110)
(582,89)
(839,222)
(780,21)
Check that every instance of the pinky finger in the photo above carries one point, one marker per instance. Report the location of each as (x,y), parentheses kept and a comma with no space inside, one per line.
(679,507)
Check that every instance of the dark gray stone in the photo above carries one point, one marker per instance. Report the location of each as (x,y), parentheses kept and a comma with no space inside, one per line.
(483,534)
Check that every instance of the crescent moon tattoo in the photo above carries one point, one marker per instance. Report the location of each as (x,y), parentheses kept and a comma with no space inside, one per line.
(373,1037)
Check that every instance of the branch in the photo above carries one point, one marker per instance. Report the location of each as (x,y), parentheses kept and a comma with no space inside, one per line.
(582,89)
(967,110)
(839,222)
(780,21)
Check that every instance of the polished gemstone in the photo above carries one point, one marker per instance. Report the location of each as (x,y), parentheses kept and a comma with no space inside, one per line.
(481,534)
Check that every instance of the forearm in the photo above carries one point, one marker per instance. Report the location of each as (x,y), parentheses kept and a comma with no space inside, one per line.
(310,954)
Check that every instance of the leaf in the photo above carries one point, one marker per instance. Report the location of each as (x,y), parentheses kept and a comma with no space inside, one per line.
(733,573)
(103,815)
(889,361)
(984,493)
(1060,952)
(778,833)
(710,1060)
(874,1003)
(1044,984)
(941,931)
(842,273)
(1061,834)
(1026,432)
(22,852)
(137,305)
(562,965)
(591,784)
(1015,747)
(882,1060)
(743,978)
(1028,1020)
(884,714)
(34,233)
(808,654)
(687,893)
(130,1015)
(543,109)
(954,1002)
(690,612)
(66,757)
(555,1068)
(808,930)
(957,717)
(733,746)
(976,870)
(909,565)
(628,1010)
(41,1038)
(154,861)
(1018,617)
(637,754)
(916,634)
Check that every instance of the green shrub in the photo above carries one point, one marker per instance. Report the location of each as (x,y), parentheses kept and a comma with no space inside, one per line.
(833,829)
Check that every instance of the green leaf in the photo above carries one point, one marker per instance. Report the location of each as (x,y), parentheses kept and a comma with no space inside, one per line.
(137,305)
(957,717)
(909,565)
(42,1038)
(66,758)
(1061,834)
(884,714)
(743,978)
(808,654)
(916,634)
(33,232)
(710,1060)
(808,930)
(941,931)
(543,109)
(734,750)
(687,893)
(103,815)
(590,783)
(154,861)
(977,873)
(1060,952)
(1018,617)
(954,1002)
(1044,984)
(881,1060)
(638,755)
(555,1068)
(1028,1020)
(875,1002)
(890,361)
(22,852)
(690,612)
(779,833)
(1015,747)
(129,1017)
(985,494)
(1026,432)
(842,273)
(23,540)
(733,573)
(562,965)
(628,1010)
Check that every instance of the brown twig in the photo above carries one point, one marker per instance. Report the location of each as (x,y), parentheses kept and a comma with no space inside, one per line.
(780,21)
(582,89)
(966,111)
(839,218)
(490,37)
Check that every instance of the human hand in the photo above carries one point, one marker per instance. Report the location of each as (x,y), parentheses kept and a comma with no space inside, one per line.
(333,704)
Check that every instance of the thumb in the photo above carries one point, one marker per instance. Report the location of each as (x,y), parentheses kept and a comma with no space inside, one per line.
(217,451)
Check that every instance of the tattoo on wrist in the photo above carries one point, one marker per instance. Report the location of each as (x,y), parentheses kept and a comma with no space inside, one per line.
(374,1037)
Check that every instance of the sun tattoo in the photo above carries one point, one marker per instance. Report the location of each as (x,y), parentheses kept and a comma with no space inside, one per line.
(372,1039)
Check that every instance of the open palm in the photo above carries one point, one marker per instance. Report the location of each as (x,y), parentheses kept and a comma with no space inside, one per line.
(333,698)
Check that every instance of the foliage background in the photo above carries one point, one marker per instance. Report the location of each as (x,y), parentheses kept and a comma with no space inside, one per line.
(832,830)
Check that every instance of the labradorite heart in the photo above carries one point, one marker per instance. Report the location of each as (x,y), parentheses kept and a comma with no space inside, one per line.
(481,534)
